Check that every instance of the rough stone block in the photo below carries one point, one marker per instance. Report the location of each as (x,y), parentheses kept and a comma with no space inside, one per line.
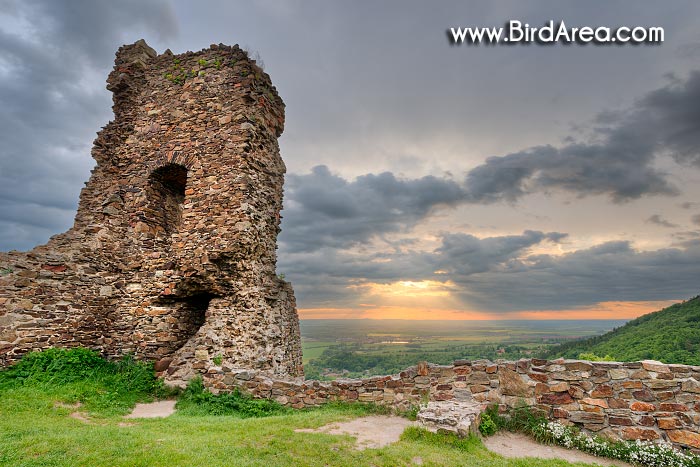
(685,438)
(645,434)
(460,418)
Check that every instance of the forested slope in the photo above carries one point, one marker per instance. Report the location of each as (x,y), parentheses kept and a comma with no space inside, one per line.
(671,335)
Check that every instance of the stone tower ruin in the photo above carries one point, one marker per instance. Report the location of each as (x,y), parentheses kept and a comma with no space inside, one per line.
(172,254)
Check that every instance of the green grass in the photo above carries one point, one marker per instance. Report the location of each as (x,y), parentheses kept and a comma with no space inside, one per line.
(36,431)
(80,375)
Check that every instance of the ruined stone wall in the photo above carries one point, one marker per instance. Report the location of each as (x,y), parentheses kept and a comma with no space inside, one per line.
(172,255)
(640,400)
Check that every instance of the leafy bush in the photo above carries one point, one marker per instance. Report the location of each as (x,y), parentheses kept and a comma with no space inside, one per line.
(412,413)
(522,418)
(197,400)
(487,427)
(591,357)
(57,366)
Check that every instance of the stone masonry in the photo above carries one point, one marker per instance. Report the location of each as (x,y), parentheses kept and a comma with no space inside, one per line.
(639,400)
(172,258)
(173,251)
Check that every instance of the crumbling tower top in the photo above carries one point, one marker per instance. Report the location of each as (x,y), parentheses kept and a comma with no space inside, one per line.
(173,251)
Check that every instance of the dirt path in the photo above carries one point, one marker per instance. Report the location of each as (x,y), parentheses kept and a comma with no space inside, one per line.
(519,445)
(153,410)
(378,431)
(371,432)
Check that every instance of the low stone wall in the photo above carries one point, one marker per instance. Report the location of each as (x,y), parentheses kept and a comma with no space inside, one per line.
(640,400)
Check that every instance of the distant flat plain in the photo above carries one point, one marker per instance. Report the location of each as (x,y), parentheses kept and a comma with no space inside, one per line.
(367,346)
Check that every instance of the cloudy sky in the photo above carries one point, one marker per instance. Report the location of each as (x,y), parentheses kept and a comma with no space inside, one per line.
(424,180)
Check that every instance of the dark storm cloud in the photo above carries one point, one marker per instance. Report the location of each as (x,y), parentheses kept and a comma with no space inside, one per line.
(322,209)
(658,220)
(95,29)
(52,106)
(622,170)
(608,272)
(672,113)
(462,254)
(618,160)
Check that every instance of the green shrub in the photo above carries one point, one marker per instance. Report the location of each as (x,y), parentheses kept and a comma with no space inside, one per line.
(197,400)
(57,366)
(524,419)
(591,357)
(412,412)
(487,427)
(492,411)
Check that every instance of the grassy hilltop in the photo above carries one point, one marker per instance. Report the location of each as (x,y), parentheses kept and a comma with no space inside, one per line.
(671,335)
(65,408)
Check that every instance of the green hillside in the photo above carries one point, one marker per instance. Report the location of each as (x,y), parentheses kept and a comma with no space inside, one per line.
(671,335)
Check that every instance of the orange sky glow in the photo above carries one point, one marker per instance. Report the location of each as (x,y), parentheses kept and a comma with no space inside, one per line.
(603,310)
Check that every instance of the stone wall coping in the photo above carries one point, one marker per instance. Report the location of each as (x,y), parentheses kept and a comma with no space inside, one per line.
(626,400)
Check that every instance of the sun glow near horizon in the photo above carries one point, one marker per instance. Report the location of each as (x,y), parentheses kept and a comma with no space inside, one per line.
(603,310)
(440,300)
(413,289)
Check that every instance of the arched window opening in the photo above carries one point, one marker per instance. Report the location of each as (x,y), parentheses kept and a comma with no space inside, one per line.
(166,193)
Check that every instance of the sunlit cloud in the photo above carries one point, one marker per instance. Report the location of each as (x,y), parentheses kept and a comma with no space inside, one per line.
(408,289)
(470,199)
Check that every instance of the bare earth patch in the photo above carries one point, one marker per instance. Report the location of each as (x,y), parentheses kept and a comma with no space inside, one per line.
(371,432)
(127,424)
(378,431)
(153,410)
(63,405)
(82,416)
(519,445)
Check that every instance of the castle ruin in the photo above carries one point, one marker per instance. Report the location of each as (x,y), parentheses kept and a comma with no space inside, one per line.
(172,259)
(172,254)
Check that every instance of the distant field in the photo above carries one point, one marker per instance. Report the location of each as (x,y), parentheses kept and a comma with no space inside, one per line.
(313,349)
(366,347)
(351,329)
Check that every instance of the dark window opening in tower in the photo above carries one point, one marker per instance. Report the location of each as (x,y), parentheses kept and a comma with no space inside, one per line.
(166,193)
